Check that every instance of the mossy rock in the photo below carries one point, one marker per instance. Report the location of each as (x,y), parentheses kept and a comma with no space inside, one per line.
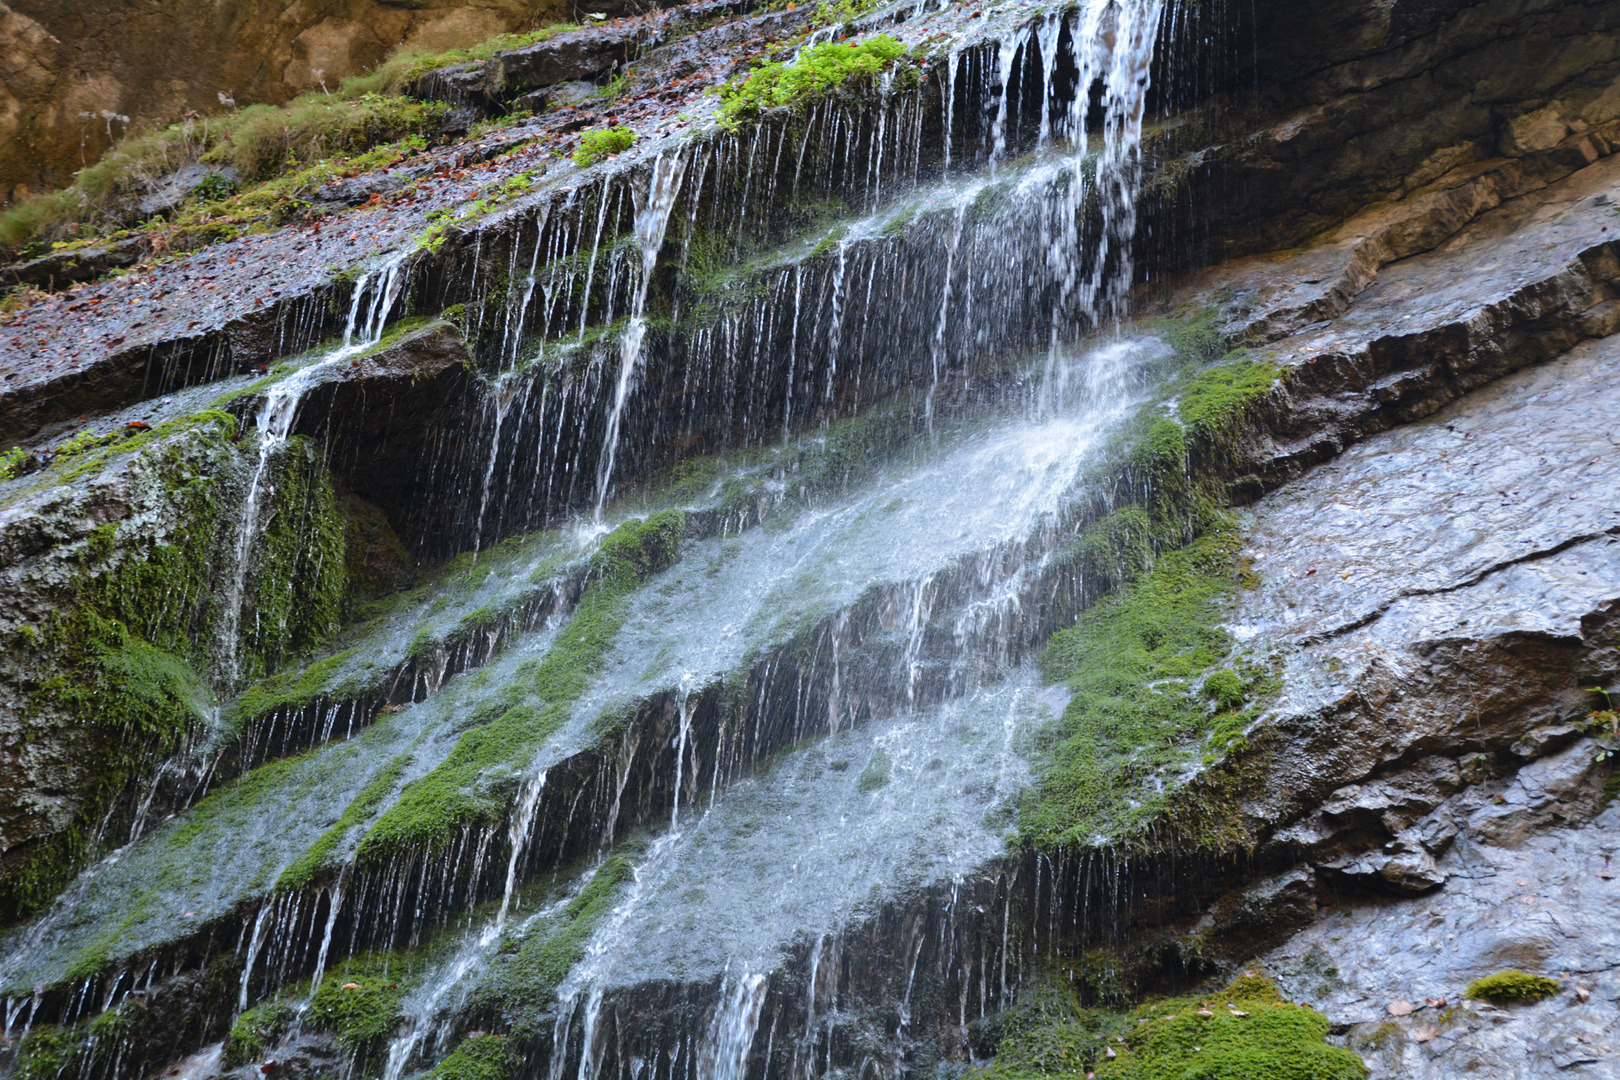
(481,1057)
(256,1030)
(1512,985)
(1244,1031)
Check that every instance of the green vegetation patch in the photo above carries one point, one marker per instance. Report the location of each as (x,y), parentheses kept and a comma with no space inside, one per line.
(602,142)
(1139,665)
(361,1010)
(1045,1033)
(472,784)
(531,963)
(480,1057)
(819,68)
(286,690)
(1512,985)
(256,1030)
(47,1052)
(302,871)
(1245,1031)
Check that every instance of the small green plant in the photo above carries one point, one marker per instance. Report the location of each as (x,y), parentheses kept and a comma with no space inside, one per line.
(1225,687)
(1512,985)
(214,187)
(601,143)
(12,462)
(819,68)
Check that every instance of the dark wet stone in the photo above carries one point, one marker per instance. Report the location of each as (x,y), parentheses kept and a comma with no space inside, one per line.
(580,54)
(461,85)
(84,264)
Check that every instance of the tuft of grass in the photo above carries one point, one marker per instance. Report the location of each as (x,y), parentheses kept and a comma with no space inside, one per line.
(1512,985)
(332,131)
(818,69)
(602,142)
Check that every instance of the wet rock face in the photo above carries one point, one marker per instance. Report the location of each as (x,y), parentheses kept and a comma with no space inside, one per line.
(1357,104)
(1535,900)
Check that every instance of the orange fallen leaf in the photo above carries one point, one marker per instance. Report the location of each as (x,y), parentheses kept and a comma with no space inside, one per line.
(1425,1033)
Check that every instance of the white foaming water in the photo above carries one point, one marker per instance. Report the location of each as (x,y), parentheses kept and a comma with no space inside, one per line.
(275,422)
(652,218)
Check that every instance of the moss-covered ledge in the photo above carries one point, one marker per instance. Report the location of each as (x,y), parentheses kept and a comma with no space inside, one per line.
(110,624)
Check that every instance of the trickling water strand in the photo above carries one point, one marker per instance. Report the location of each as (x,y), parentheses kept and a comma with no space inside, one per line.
(334,903)
(518,834)
(683,705)
(731,1033)
(254,944)
(652,218)
(276,419)
(937,352)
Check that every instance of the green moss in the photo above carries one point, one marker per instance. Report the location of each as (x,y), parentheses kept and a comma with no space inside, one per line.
(1512,985)
(1244,1031)
(876,773)
(46,1053)
(300,573)
(602,142)
(529,966)
(287,690)
(361,1010)
(1213,401)
(471,785)
(256,1030)
(480,1057)
(302,871)
(1046,1033)
(817,69)
(1135,663)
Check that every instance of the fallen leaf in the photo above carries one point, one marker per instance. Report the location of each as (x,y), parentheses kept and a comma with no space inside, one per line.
(1424,1034)
(1435,1003)
(1205,1012)
(351,986)
(1584,993)
(1239,1012)
(1402,1008)
(1111,1053)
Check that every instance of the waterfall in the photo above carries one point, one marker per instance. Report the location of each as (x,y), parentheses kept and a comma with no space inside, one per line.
(883,488)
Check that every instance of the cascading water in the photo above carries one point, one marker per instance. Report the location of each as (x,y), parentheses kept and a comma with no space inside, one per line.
(373,300)
(652,219)
(679,777)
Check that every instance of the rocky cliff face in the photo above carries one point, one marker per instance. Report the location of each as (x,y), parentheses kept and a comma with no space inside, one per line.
(1060,513)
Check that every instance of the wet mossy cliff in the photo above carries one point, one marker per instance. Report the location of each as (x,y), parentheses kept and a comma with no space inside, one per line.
(1038,541)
